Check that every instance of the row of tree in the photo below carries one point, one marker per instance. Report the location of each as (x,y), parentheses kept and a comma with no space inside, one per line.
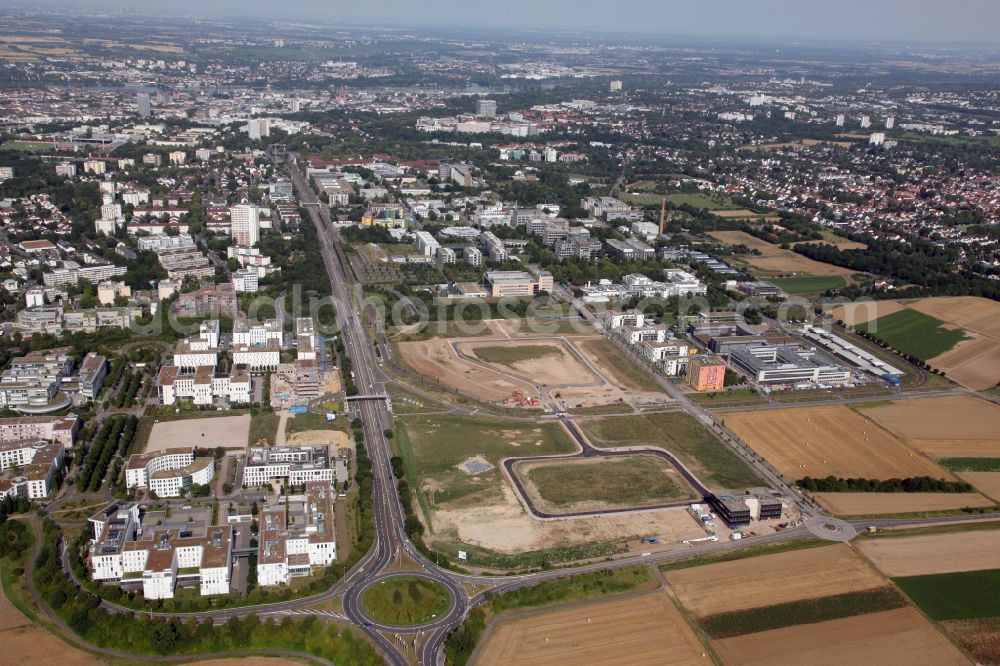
(915,484)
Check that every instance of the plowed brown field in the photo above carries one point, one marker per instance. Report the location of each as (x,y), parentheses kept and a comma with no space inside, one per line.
(874,504)
(899,636)
(934,553)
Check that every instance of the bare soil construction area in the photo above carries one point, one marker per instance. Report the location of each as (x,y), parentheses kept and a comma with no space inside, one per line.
(579,371)
(504,526)
(773,260)
(229,432)
(899,636)
(548,363)
(874,504)
(933,553)
(798,574)
(335,439)
(641,630)
(943,427)
(820,441)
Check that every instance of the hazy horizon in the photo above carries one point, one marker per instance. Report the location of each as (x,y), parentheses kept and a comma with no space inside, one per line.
(913,21)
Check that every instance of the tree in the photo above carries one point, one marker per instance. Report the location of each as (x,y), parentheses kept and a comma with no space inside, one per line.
(163,637)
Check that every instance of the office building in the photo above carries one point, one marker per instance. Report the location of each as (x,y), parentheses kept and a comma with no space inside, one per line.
(29,468)
(169,472)
(296,535)
(486,108)
(245,224)
(295,464)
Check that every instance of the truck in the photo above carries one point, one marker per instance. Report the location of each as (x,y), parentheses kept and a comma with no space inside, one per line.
(891,380)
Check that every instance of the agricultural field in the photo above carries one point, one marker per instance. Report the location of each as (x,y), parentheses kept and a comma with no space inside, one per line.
(710,460)
(594,484)
(914,333)
(482,511)
(773,260)
(876,504)
(960,595)
(974,359)
(933,553)
(900,636)
(829,440)
(641,630)
(799,574)
(945,427)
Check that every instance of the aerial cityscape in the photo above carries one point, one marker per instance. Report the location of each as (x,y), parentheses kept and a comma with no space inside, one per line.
(420,335)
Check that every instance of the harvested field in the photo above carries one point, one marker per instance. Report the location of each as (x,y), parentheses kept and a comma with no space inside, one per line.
(973,362)
(802,574)
(823,441)
(899,636)
(641,630)
(549,364)
(934,553)
(230,432)
(773,260)
(988,483)
(853,314)
(594,484)
(873,504)
(968,429)
(27,643)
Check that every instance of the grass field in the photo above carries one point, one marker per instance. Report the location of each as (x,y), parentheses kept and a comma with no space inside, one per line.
(970,464)
(615,365)
(680,434)
(803,611)
(28,146)
(914,333)
(433,447)
(264,425)
(808,284)
(700,200)
(631,481)
(573,588)
(405,600)
(955,596)
(312,421)
(510,354)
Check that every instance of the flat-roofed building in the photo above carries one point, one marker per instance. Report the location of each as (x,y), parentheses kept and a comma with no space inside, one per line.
(517,283)
(29,468)
(296,535)
(61,429)
(168,473)
(298,464)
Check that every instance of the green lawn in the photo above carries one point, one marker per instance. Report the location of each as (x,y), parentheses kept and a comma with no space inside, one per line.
(700,200)
(312,421)
(28,147)
(406,600)
(970,464)
(432,447)
(511,354)
(623,369)
(808,283)
(914,333)
(631,481)
(955,596)
(804,611)
(693,443)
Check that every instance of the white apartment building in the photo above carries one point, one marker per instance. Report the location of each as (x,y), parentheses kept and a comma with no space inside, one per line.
(246,281)
(61,429)
(168,473)
(296,536)
(257,335)
(245,224)
(203,385)
(446,255)
(473,256)
(615,320)
(31,468)
(258,358)
(426,244)
(305,339)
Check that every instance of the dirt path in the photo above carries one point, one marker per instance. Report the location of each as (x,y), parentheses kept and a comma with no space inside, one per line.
(279,438)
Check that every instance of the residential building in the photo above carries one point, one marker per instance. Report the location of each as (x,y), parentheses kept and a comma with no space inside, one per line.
(246,281)
(60,429)
(169,472)
(473,256)
(30,468)
(203,384)
(486,108)
(704,374)
(245,224)
(426,244)
(296,464)
(296,535)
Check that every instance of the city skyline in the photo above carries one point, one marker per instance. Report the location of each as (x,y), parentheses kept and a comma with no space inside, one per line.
(851,20)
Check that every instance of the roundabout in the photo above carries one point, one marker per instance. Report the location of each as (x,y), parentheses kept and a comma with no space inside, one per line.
(831,529)
(406,602)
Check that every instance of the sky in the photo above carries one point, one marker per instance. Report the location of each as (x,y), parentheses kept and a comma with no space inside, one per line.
(912,21)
